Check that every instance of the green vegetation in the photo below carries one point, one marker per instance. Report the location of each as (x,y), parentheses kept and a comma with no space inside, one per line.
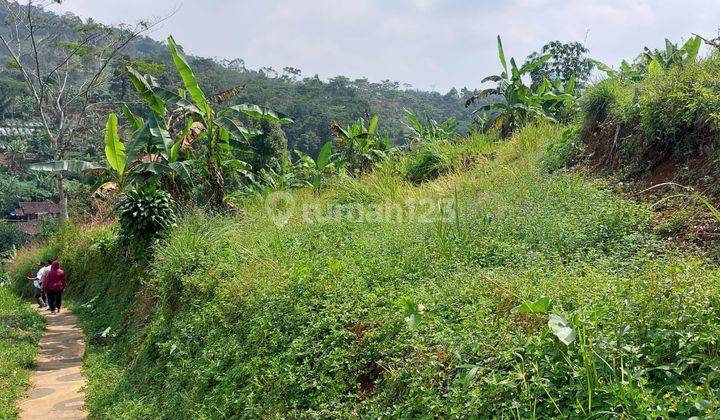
(512,104)
(394,272)
(569,61)
(313,103)
(411,316)
(20,330)
(146,213)
(669,116)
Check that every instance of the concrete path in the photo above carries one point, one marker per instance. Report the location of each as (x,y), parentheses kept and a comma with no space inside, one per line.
(56,383)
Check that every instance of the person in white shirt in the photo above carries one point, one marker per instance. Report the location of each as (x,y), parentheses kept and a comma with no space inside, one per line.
(38,284)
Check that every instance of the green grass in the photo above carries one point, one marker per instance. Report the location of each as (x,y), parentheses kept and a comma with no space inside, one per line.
(669,114)
(239,317)
(20,330)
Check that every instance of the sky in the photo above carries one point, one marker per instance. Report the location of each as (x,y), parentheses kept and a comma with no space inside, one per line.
(430,44)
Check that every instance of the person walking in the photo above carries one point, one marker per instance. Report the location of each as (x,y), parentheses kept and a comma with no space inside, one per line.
(43,289)
(38,284)
(55,283)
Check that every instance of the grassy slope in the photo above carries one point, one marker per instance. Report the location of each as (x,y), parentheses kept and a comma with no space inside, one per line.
(20,330)
(241,316)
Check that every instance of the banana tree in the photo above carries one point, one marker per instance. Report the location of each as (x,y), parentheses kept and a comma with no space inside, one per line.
(316,168)
(656,60)
(512,103)
(430,130)
(557,100)
(360,146)
(219,129)
(127,163)
(673,55)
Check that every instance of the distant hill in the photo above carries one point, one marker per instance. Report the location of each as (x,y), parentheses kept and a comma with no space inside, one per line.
(313,103)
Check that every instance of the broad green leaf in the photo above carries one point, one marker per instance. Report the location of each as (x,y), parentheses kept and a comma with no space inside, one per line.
(655,68)
(179,100)
(529,67)
(324,155)
(65,166)
(138,142)
(501,54)
(131,118)
(412,311)
(179,169)
(114,148)
(182,169)
(605,68)
(237,165)
(514,69)
(570,87)
(692,48)
(561,328)
(189,79)
(144,87)
(237,131)
(258,112)
(539,306)
(373,125)
(175,151)
(493,78)
(160,137)
(414,121)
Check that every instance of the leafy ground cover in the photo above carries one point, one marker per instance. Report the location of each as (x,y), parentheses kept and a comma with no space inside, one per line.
(496,289)
(20,330)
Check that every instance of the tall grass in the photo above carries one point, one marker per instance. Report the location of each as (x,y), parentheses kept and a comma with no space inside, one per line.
(241,317)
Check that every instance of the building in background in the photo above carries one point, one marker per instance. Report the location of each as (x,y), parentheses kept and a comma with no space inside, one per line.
(28,213)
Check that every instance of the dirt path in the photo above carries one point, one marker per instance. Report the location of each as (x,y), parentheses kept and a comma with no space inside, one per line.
(56,383)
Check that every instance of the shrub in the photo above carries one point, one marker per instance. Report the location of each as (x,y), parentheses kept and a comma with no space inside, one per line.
(24,264)
(669,112)
(10,237)
(680,106)
(428,162)
(609,98)
(563,152)
(145,214)
(48,226)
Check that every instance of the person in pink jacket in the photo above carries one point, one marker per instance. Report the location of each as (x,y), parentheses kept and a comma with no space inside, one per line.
(55,283)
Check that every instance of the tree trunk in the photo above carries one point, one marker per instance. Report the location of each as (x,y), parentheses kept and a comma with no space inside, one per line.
(217,182)
(63,197)
(217,186)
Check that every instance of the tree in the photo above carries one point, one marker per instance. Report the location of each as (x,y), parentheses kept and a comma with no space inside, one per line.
(512,104)
(315,169)
(62,70)
(567,60)
(360,145)
(429,130)
(217,128)
(291,73)
(269,146)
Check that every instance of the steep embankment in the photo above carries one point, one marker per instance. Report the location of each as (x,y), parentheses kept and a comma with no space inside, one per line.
(390,309)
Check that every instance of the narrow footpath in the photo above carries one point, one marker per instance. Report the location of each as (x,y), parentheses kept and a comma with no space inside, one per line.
(57,380)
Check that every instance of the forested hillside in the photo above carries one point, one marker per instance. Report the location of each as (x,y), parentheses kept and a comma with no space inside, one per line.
(312,102)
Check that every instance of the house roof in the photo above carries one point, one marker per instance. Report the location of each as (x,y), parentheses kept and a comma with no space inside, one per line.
(18,128)
(36,207)
(28,228)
